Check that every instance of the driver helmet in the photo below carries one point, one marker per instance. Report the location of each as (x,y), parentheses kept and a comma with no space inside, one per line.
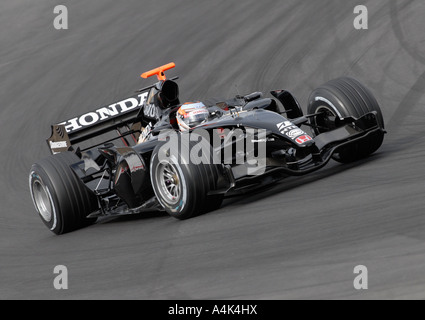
(191,114)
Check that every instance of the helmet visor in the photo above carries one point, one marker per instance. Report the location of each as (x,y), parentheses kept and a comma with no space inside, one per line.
(196,117)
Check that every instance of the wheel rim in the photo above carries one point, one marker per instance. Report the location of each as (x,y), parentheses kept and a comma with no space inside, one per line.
(325,122)
(168,182)
(42,201)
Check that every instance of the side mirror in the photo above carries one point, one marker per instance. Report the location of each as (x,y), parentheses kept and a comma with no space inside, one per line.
(253,96)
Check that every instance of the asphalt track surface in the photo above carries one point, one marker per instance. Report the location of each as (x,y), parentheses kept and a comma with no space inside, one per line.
(300,239)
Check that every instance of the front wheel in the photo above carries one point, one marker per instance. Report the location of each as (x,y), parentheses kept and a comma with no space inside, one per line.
(341,98)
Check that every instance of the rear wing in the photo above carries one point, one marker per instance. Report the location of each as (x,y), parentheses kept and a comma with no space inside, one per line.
(113,117)
(95,123)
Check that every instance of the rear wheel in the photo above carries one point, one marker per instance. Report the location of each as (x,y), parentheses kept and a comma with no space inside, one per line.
(341,98)
(61,199)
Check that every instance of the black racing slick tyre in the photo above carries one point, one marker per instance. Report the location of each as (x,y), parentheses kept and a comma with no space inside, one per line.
(340,98)
(59,196)
(182,186)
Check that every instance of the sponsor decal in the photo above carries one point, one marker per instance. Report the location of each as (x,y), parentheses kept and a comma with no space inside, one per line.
(295,133)
(283,126)
(303,139)
(199,111)
(291,131)
(145,133)
(136,168)
(151,111)
(58,144)
(113,110)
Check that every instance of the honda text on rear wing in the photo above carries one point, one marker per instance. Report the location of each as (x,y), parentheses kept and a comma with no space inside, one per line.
(121,117)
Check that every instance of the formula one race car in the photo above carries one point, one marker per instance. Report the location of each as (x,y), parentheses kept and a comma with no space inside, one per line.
(185,157)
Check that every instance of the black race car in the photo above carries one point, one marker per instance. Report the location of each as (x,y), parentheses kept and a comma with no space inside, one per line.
(150,164)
